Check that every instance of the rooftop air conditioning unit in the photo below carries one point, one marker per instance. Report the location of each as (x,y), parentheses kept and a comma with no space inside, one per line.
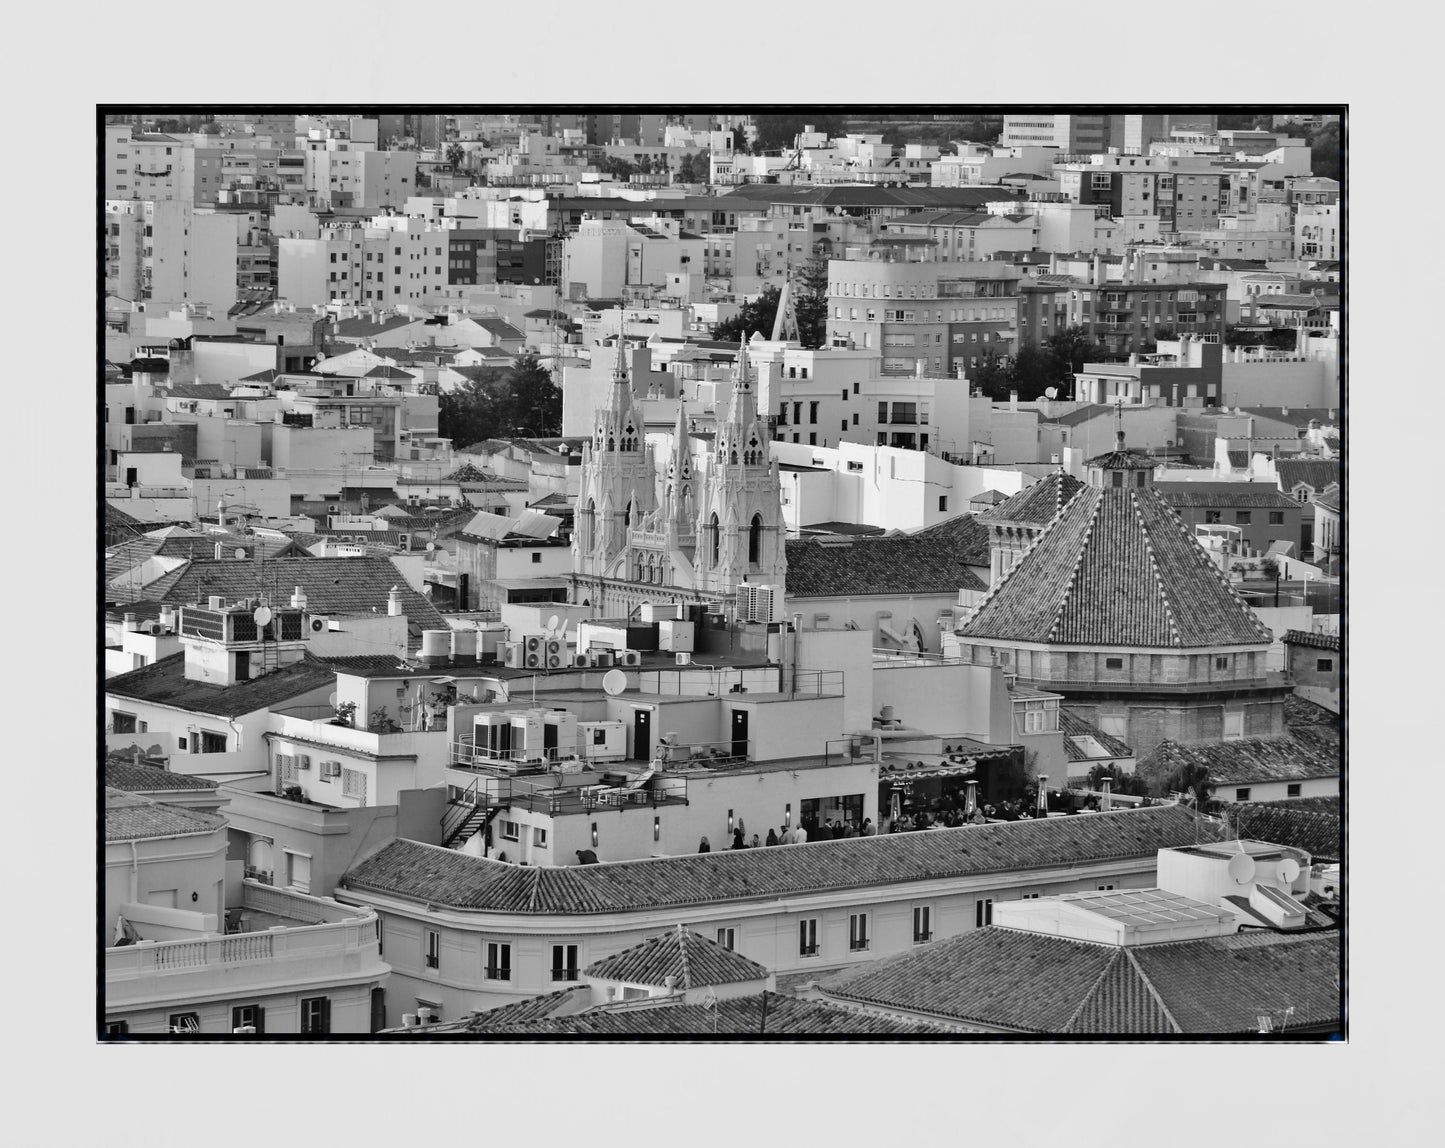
(552,649)
(601,657)
(303,761)
(629,658)
(333,509)
(683,658)
(316,624)
(581,661)
(155,629)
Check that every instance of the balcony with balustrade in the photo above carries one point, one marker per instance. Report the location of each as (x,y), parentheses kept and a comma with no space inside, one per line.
(281,938)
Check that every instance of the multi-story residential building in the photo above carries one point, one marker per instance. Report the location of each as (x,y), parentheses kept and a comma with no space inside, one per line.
(166,250)
(812,391)
(966,236)
(194,949)
(1132,134)
(1317,231)
(480,255)
(928,318)
(974,164)
(1263,514)
(1183,373)
(393,259)
(1128,318)
(465,932)
(141,165)
(1072,135)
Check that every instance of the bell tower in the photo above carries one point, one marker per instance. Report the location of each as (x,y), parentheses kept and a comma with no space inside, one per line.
(616,487)
(740,531)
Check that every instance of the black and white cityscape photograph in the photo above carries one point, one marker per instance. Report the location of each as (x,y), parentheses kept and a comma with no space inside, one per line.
(722,572)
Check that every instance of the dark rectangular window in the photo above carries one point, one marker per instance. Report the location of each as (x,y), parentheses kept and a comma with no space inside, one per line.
(857,932)
(727,938)
(1113,663)
(499,961)
(433,949)
(213,742)
(812,412)
(1211,516)
(117,1028)
(249,1016)
(882,412)
(1292,789)
(983,912)
(1276,517)
(1242,517)
(1241,794)
(1221,663)
(564,962)
(808,937)
(922,924)
(316,1015)
(943,502)
(122,722)
(1325,665)
(184,1022)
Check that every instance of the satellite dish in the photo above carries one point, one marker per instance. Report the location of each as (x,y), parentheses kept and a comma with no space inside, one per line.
(240,552)
(430,546)
(262,615)
(614,682)
(1051,393)
(554,624)
(331,699)
(1288,870)
(1241,868)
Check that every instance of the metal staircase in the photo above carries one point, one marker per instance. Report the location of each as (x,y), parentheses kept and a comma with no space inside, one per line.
(466,816)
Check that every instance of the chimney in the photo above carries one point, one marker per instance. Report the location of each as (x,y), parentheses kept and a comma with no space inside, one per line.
(128,622)
(1053,262)
(1105,804)
(393,602)
(217,602)
(1096,275)
(218,551)
(298,598)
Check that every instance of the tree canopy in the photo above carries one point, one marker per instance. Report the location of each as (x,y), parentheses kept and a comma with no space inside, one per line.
(758,315)
(502,402)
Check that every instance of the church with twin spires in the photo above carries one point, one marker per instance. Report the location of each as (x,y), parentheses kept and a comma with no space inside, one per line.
(691,533)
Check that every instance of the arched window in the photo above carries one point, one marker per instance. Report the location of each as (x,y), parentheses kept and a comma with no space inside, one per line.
(627,514)
(712,540)
(734,458)
(589,519)
(755,540)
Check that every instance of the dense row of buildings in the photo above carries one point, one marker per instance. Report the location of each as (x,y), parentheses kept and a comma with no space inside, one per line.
(702,712)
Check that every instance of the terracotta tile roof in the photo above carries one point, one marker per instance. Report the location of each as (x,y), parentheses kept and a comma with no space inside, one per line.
(365,327)
(198,391)
(1308,638)
(783,1016)
(1247,974)
(1118,568)
(499,327)
(969,535)
(692,961)
(1320,834)
(1031,982)
(1305,753)
(136,778)
(165,683)
(1269,498)
(888,564)
(1328,501)
(444,877)
(387,371)
(129,817)
(1316,473)
(1039,503)
(331,585)
(1073,726)
(1300,711)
